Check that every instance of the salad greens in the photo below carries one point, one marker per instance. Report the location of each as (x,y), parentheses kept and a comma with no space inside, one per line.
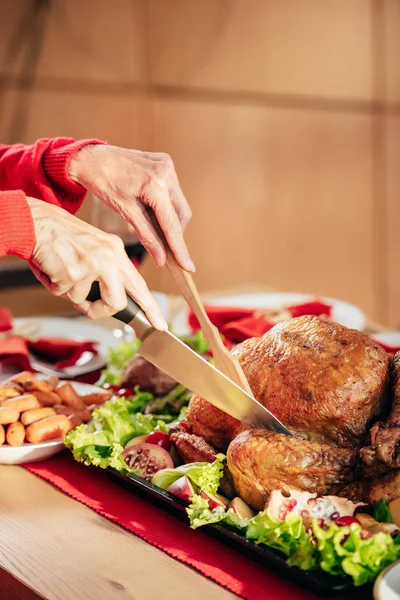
(120,419)
(336,550)
(381,512)
(101,442)
(206,476)
(116,361)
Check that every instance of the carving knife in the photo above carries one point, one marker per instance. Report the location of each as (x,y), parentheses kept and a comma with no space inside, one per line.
(179,361)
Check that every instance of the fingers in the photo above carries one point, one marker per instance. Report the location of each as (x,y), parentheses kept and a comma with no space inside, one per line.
(138,290)
(79,292)
(182,208)
(113,283)
(169,223)
(147,234)
(40,276)
(179,202)
(113,297)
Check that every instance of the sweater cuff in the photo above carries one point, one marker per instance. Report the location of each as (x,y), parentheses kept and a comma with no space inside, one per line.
(56,163)
(17,232)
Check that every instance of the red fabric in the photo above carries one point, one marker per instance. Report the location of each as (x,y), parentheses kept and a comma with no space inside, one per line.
(239,324)
(58,351)
(5,320)
(389,349)
(40,171)
(17,234)
(316,308)
(224,565)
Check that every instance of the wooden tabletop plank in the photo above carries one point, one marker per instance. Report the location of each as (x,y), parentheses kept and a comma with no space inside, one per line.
(56,548)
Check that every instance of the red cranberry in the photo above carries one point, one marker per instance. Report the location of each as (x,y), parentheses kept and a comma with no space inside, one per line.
(346,521)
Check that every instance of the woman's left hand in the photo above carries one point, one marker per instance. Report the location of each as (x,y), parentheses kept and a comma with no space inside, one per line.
(131,182)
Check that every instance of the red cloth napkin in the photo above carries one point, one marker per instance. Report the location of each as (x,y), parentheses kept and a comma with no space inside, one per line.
(230,568)
(389,349)
(57,351)
(239,324)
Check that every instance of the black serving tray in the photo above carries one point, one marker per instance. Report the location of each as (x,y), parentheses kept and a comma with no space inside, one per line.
(317,582)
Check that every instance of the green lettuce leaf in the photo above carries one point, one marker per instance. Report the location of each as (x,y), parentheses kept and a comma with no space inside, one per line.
(197,342)
(288,536)
(118,419)
(204,475)
(117,359)
(200,514)
(101,442)
(381,512)
(340,551)
(343,551)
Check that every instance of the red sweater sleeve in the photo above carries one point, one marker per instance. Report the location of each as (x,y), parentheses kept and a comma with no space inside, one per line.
(40,171)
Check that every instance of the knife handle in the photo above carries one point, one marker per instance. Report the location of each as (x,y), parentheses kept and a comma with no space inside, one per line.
(126,315)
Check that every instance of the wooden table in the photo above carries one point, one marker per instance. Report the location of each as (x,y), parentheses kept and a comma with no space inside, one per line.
(55,548)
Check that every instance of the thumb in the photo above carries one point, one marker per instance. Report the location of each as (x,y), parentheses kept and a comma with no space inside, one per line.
(40,275)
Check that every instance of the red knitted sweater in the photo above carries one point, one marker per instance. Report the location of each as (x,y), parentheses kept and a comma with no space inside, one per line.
(40,171)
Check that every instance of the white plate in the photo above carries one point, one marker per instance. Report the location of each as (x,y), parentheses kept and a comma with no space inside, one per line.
(79,329)
(387,586)
(342,312)
(389,338)
(15,455)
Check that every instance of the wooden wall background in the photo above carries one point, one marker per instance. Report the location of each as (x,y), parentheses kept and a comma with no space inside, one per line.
(283,119)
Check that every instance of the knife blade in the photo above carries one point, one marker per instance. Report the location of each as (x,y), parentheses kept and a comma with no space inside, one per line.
(179,361)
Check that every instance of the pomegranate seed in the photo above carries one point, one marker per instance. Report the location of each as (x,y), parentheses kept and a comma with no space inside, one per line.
(159,438)
(346,521)
(185,426)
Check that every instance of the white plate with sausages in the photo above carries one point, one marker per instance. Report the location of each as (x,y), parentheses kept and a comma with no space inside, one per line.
(31,452)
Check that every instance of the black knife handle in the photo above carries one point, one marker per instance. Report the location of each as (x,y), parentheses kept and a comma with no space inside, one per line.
(126,315)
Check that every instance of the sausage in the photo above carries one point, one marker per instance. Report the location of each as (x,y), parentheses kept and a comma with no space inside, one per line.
(2,435)
(37,385)
(18,387)
(8,415)
(49,428)
(84,414)
(69,396)
(35,414)
(47,398)
(96,397)
(7,392)
(21,377)
(74,421)
(21,403)
(15,434)
(53,381)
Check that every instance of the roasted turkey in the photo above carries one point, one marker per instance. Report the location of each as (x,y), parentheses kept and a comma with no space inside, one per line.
(328,384)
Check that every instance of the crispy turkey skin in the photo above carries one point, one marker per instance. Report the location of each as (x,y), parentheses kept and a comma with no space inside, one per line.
(327,384)
(261,461)
(322,380)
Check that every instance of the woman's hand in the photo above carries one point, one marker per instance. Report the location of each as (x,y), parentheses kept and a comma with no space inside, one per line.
(131,182)
(70,255)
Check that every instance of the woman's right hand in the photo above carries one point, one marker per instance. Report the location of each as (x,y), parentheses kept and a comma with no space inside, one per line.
(70,255)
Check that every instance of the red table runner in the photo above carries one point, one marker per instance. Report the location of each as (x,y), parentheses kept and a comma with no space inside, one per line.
(224,565)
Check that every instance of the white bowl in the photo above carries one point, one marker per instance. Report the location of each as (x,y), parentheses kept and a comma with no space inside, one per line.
(387,586)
